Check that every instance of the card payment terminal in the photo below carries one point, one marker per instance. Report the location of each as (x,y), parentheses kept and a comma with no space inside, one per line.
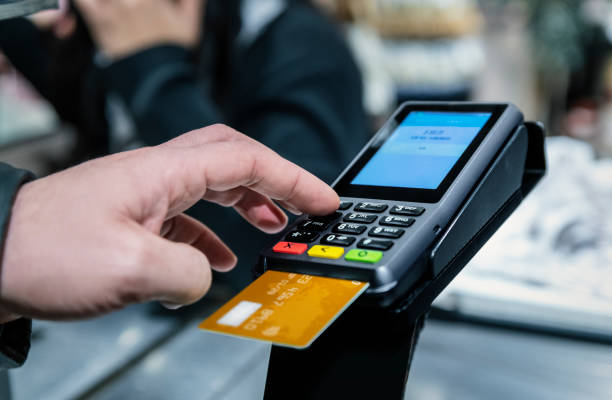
(398,194)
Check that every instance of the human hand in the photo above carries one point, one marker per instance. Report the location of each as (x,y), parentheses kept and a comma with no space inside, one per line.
(110,232)
(122,27)
(61,22)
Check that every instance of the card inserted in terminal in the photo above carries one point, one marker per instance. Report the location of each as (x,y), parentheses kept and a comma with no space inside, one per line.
(286,309)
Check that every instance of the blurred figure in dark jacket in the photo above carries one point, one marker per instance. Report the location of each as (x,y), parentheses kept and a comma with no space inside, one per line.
(276,70)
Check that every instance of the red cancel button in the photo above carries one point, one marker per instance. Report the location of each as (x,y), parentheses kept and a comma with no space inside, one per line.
(290,248)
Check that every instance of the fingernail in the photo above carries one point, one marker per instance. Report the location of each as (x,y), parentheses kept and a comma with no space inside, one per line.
(294,211)
(171,306)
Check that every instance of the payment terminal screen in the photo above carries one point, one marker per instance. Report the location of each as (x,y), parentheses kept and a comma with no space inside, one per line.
(422,150)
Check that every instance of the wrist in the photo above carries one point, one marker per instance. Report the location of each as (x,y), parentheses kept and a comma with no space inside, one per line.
(11,181)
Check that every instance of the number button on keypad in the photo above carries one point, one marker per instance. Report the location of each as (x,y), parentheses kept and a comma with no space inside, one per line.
(339,240)
(313,226)
(407,210)
(391,233)
(352,229)
(371,207)
(326,218)
(345,205)
(359,217)
(397,221)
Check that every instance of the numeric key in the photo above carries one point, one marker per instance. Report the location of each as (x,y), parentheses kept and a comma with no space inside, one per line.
(326,218)
(359,217)
(407,210)
(397,221)
(351,229)
(371,207)
(391,233)
(339,240)
(345,205)
(313,226)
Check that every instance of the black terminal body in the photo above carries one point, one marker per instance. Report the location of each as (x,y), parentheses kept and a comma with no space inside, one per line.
(403,193)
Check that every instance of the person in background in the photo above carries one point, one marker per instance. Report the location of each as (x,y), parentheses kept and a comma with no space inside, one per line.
(141,72)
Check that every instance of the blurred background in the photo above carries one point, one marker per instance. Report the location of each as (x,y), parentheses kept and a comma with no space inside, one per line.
(530,317)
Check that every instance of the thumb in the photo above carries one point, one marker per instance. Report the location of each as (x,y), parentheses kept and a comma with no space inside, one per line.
(176,273)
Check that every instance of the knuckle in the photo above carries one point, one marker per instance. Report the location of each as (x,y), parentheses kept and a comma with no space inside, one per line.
(221,127)
(228,131)
(295,186)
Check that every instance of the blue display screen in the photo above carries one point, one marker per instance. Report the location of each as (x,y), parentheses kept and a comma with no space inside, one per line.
(422,150)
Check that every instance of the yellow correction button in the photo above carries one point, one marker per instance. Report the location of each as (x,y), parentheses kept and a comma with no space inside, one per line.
(326,251)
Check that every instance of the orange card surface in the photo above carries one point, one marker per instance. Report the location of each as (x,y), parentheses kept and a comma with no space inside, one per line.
(285,308)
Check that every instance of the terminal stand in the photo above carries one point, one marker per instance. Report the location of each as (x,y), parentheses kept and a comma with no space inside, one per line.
(367,352)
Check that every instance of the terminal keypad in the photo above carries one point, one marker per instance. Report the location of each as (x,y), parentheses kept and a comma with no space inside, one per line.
(349,225)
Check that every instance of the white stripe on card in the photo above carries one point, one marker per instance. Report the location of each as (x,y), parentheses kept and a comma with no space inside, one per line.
(239,313)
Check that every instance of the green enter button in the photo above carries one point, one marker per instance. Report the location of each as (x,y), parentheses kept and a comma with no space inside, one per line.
(366,256)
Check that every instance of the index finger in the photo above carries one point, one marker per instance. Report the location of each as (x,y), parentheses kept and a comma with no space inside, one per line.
(223,166)
(260,169)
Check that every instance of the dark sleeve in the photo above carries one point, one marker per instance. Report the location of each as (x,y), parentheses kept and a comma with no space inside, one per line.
(309,125)
(160,87)
(15,335)
(22,43)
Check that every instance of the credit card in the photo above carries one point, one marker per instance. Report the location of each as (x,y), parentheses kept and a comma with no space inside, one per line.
(285,308)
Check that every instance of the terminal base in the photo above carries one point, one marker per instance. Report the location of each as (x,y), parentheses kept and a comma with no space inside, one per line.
(365,354)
